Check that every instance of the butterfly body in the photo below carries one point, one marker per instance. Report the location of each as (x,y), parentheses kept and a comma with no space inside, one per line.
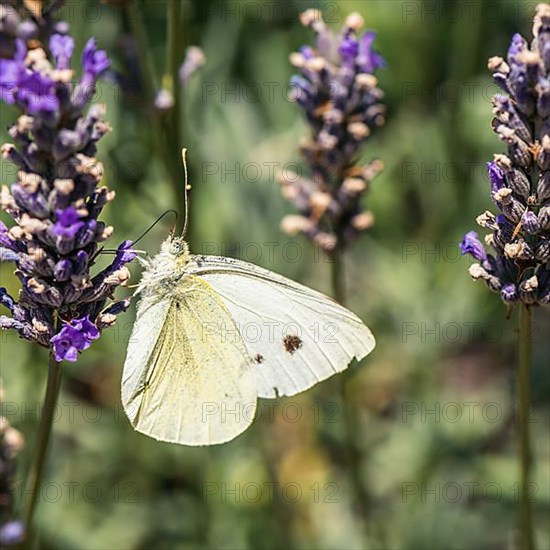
(166,268)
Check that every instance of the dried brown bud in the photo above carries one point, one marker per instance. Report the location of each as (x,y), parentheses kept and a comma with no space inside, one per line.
(354,21)
(354,186)
(293,224)
(64,186)
(363,221)
(311,17)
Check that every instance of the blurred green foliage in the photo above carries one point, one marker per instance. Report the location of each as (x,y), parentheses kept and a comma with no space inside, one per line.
(434,401)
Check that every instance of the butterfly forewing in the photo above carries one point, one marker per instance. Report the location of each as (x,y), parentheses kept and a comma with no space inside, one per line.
(295,335)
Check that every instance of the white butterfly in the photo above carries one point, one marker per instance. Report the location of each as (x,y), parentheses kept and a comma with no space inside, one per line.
(213,334)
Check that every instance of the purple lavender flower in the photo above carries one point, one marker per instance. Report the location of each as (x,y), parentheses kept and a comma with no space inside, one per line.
(68,223)
(72,338)
(11,71)
(56,200)
(12,533)
(471,245)
(520,180)
(496,176)
(94,61)
(366,58)
(62,48)
(338,92)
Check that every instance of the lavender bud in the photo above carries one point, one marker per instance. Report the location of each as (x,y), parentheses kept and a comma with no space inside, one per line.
(34,203)
(505,199)
(509,293)
(544,218)
(543,252)
(530,222)
(543,187)
(518,182)
(518,251)
(528,290)
(67,142)
(62,270)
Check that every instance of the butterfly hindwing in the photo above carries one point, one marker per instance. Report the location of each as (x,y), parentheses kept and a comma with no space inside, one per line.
(184,381)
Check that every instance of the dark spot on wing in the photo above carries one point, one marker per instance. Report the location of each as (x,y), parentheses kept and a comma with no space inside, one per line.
(259,358)
(292,343)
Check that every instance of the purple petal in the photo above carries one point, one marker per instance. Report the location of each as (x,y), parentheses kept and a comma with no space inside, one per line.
(367,59)
(94,61)
(62,48)
(349,48)
(37,92)
(68,223)
(496,175)
(471,245)
(87,329)
(125,254)
(5,240)
(11,533)
(7,255)
(307,52)
(72,338)
(10,73)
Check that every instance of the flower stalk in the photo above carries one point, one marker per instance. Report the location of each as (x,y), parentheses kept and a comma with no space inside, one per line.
(56,237)
(53,386)
(524,394)
(517,264)
(163,99)
(338,92)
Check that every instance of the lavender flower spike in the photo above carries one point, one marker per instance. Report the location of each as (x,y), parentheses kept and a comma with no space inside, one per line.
(338,92)
(56,200)
(520,180)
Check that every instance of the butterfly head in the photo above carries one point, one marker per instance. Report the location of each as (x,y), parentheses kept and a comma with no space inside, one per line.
(176,249)
(175,246)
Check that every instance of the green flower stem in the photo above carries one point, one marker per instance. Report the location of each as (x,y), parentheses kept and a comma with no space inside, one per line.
(524,394)
(338,276)
(349,417)
(44,431)
(172,121)
(167,144)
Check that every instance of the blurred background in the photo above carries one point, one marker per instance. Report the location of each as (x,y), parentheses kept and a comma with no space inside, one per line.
(431,445)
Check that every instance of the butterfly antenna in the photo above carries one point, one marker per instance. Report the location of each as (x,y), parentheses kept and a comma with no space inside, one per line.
(164,214)
(185,192)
